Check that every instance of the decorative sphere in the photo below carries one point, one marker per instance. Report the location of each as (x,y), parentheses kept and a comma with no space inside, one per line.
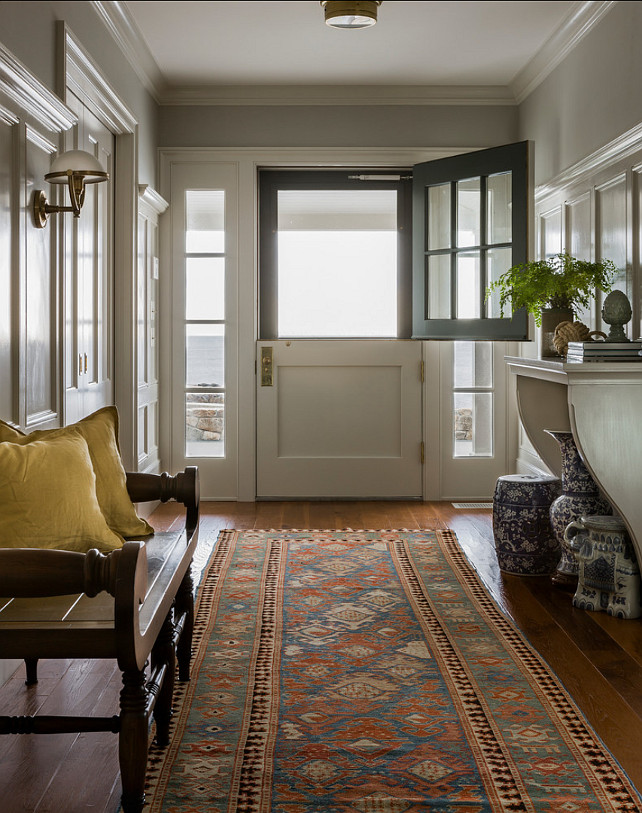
(616,309)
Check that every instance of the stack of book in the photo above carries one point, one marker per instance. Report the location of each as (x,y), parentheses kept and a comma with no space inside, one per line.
(604,351)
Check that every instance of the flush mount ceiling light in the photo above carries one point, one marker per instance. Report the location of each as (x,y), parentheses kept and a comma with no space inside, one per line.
(75,168)
(355,14)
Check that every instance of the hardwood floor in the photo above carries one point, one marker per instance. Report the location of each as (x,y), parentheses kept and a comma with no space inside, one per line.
(599,659)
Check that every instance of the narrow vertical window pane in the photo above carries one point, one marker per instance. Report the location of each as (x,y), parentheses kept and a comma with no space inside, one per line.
(205,424)
(499,193)
(205,355)
(205,288)
(438,287)
(468,212)
(337,263)
(205,221)
(498,261)
(473,424)
(473,365)
(468,285)
(439,217)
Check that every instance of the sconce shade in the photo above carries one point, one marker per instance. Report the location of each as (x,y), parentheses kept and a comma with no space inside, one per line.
(80,163)
(75,169)
(350,13)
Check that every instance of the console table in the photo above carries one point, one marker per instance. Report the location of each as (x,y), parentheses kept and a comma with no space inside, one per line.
(601,403)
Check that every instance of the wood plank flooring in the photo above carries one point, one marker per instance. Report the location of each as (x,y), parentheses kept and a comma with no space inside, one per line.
(599,659)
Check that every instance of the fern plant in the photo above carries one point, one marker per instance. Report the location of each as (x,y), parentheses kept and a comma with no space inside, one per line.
(560,281)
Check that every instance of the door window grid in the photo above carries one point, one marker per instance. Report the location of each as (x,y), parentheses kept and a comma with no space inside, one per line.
(473,382)
(468,245)
(205,323)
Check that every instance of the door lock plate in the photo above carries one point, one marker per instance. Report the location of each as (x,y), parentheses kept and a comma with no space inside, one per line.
(267,378)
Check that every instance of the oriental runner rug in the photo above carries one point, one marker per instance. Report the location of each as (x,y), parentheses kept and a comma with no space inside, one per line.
(369,672)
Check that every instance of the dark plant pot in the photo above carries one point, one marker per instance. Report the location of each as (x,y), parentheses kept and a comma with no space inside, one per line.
(551,317)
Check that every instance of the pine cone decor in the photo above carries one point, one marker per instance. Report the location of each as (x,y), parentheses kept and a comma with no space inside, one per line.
(567,332)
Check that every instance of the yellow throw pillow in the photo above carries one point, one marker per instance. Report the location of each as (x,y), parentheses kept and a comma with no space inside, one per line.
(48,497)
(100,430)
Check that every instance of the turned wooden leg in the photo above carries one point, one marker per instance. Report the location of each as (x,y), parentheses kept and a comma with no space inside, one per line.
(132,742)
(164,652)
(31,665)
(184,603)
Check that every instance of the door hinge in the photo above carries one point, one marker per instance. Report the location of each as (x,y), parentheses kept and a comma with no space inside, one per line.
(422,452)
(422,371)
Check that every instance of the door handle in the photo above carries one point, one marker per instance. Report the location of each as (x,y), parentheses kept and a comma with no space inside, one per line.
(267,378)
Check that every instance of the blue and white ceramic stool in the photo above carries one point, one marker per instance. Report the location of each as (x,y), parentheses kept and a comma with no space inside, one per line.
(524,539)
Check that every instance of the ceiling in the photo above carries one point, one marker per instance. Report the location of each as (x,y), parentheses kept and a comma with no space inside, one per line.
(287,43)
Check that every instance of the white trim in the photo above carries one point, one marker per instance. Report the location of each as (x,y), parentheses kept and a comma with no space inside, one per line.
(32,96)
(249,159)
(353,95)
(620,148)
(150,198)
(582,19)
(122,27)
(82,77)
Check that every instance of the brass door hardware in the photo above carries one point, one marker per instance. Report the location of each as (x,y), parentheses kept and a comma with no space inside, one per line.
(267,378)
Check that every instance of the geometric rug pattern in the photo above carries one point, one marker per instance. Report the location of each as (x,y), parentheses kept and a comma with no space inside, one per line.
(369,672)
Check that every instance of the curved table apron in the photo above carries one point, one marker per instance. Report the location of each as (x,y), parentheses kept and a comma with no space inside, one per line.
(601,403)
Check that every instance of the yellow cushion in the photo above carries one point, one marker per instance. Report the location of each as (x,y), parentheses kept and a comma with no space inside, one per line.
(100,430)
(48,497)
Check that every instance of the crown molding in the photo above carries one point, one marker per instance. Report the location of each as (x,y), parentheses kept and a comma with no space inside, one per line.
(582,18)
(23,89)
(151,198)
(85,78)
(123,29)
(626,145)
(358,95)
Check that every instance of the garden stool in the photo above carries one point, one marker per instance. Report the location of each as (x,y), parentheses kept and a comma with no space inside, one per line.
(524,539)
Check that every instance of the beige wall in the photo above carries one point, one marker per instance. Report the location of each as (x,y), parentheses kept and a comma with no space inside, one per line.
(337,126)
(28,30)
(592,97)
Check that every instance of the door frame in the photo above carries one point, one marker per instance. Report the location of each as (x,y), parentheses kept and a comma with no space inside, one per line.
(78,73)
(249,160)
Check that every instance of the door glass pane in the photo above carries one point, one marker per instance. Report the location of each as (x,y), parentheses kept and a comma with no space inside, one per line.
(205,424)
(205,288)
(499,197)
(205,221)
(439,217)
(473,424)
(205,355)
(438,287)
(498,261)
(472,365)
(337,263)
(468,285)
(468,212)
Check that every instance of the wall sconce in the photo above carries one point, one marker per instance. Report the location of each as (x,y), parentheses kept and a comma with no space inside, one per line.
(75,168)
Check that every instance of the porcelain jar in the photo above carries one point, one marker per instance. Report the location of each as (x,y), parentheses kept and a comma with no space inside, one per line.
(580,496)
(609,575)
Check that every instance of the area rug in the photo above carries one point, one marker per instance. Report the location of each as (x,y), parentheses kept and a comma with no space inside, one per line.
(369,672)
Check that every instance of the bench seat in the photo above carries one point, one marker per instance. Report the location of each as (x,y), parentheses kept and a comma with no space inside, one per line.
(134,604)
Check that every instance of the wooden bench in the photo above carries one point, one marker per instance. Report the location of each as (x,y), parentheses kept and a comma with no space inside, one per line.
(134,604)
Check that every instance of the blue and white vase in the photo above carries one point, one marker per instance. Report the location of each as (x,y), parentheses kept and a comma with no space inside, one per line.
(580,496)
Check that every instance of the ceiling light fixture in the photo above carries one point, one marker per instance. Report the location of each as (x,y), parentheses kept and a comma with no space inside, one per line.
(355,14)
(75,168)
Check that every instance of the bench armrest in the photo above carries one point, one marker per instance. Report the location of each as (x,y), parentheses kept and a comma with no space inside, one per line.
(182,487)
